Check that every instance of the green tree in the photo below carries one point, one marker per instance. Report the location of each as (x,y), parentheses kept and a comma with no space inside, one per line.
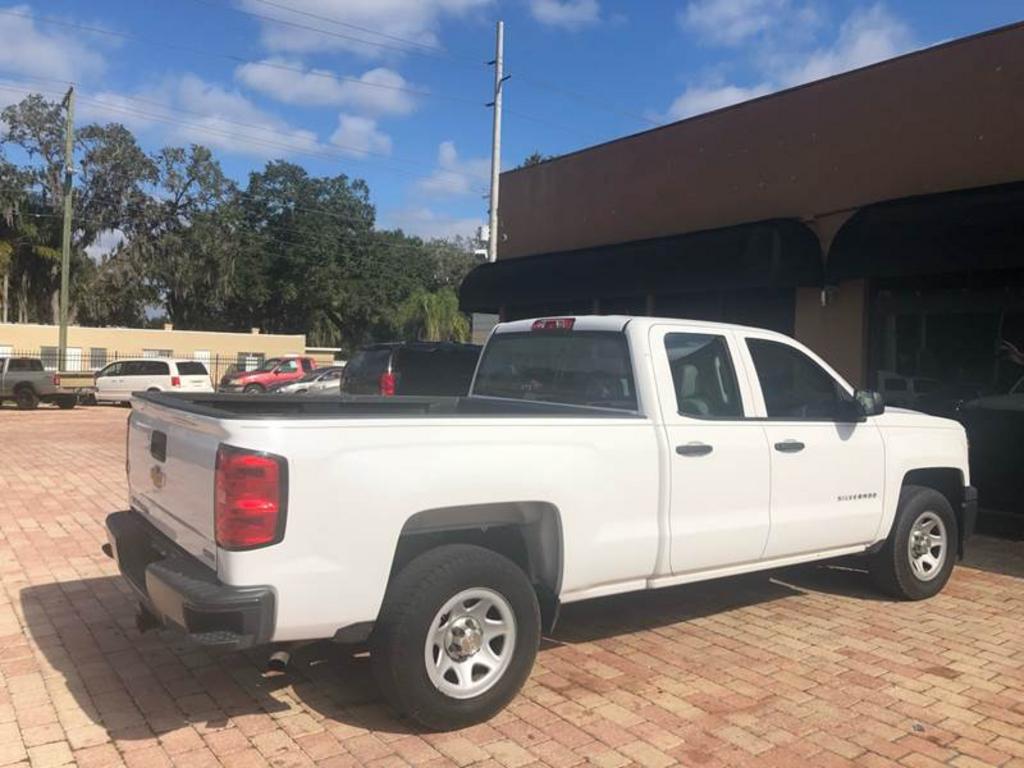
(535,158)
(434,316)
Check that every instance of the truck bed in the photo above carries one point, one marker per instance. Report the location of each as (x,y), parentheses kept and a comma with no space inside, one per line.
(271,406)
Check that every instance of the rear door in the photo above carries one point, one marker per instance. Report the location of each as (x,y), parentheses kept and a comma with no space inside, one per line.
(827,467)
(171,466)
(194,376)
(719,470)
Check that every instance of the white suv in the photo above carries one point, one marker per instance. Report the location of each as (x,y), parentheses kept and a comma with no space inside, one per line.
(116,382)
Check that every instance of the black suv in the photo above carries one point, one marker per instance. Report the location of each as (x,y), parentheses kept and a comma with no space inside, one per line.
(411,368)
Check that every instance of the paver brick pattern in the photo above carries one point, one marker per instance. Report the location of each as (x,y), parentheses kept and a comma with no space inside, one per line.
(805,666)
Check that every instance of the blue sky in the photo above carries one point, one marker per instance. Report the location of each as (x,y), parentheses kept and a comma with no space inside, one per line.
(393,91)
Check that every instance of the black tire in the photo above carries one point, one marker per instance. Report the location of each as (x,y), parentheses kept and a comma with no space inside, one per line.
(26,398)
(414,597)
(891,567)
(253,389)
(67,403)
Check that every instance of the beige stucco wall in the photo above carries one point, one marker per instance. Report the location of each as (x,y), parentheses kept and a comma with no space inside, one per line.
(28,338)
(837,332)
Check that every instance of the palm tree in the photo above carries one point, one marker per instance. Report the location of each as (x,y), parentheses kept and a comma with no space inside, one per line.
(434,316)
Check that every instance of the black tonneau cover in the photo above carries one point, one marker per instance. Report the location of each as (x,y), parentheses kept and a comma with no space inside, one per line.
(273,406)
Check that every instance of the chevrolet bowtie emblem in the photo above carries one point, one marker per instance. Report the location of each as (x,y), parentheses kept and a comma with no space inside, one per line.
(158,477)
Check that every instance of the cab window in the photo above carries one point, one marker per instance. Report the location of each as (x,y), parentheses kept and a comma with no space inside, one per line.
(288,366)
(703,376)
(794,386)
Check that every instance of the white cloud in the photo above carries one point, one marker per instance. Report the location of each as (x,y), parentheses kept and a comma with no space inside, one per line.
(570,14)
(697,99)
(186,108)
(454,175)
(427,223)
(416,20)
(379,91)
(866,37)
(31,51)
(732,22)
(359,136)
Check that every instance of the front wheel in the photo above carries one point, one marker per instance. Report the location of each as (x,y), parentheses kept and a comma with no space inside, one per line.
(918,557)
(457,636)
(253,389)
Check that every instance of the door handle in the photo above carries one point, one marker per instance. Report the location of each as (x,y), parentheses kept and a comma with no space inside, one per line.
(694,449)
(789,446)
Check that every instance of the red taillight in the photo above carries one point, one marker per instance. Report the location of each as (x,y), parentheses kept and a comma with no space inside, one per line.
(56,379)
(175,381)
(250,497)
(387,384)
(554,324)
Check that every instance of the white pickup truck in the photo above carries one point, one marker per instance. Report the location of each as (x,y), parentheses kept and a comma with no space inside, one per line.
(593,456)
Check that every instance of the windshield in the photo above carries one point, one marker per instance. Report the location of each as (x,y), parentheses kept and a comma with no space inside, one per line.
(576,368)
(269,365)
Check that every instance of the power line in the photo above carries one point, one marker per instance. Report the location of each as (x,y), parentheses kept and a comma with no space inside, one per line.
(317,30)
(475,103)
(236,58)
(435,48)
(273,239)
(259,141)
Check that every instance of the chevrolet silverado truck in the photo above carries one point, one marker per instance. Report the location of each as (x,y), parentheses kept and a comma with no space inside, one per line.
(27,383)
(592,456)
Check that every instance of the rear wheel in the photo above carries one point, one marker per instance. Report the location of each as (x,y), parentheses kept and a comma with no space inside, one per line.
(66,403)
(457,636)
(918,557)
(26,398)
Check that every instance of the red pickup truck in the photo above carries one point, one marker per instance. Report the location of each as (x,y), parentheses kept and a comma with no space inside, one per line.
(276,370)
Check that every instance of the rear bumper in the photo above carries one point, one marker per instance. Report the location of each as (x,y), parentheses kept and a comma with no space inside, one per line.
(969,516)
(182,592)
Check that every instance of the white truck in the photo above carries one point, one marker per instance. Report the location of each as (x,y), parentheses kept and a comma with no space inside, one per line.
(593,456)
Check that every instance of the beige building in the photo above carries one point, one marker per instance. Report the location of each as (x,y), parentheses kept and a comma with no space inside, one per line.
(89,349)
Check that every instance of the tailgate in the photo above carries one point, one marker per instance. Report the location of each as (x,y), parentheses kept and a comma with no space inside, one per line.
(196,383)
(171,478)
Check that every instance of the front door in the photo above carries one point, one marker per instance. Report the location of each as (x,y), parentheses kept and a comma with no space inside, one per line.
(827,462)
(719,506)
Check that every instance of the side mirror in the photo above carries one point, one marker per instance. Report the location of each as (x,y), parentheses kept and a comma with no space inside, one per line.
(871,403)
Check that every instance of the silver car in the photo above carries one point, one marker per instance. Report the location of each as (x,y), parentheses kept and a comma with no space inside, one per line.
(319,381)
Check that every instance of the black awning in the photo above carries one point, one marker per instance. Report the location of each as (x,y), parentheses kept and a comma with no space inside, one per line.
(967,230)
(773,253)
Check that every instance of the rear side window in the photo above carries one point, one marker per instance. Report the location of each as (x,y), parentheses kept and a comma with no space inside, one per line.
(703,375)
(25,364)
(444,369)
(307,365)
(192,369)
(575,368)
(368,364)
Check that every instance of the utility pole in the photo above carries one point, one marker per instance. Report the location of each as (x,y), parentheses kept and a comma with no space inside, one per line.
(499,79)
(65,256)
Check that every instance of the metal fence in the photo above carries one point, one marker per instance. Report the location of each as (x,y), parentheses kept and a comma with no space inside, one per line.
(88,361)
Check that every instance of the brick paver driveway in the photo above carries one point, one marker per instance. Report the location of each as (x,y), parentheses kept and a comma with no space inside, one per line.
(801,667)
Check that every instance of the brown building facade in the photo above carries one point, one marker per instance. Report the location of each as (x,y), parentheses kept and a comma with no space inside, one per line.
(877,215)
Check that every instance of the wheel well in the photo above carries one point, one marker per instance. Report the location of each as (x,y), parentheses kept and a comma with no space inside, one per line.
(527,533)
(948,481)
(21,386)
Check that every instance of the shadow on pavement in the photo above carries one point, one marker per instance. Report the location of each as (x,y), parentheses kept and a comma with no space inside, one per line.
(137,685)
(996,555)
